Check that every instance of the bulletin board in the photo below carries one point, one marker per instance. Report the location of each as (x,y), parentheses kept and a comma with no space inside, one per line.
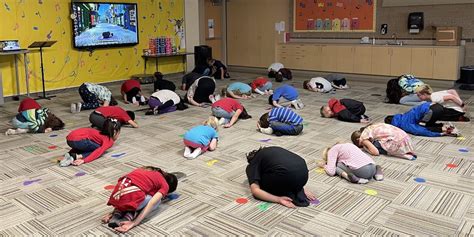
(334,15)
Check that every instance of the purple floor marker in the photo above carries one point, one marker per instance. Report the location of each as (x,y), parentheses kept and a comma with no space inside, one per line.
(173,196)
(463,150)
(419,180)
(265,140)
(118,155)
(28,182)
(53,135)
(81,173)
(315,202)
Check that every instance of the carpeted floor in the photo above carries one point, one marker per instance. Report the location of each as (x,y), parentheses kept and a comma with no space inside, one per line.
(37,197)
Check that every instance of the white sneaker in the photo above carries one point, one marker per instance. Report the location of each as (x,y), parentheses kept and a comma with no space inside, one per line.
(187,152)
(195,154)
(222,121)
(78,107)
(73,108)
(67,161)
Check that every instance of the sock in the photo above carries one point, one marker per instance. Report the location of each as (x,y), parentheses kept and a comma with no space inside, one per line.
(73,108)
(221,121)
(78,107)
(134,100)
(378,173)
(187,152)
(142,99)
(195,153)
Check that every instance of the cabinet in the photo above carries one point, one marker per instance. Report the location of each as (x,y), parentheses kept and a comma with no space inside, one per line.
(329,58)
(345,59)
(380,61)
(444,65)
(362,59)
(422,62)
(400,61)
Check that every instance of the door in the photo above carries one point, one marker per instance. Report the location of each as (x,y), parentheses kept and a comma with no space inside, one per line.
(380,60)
(329,58)
(362,59)
(345,58)
(400,61)
(422,62)
(446,63)
(213,14)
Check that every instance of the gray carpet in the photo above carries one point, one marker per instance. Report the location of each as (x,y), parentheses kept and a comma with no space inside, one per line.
(40,198)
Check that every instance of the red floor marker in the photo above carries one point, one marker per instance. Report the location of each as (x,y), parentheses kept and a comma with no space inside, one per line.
(109,187)
(241,200)
(52,147)
(452,165)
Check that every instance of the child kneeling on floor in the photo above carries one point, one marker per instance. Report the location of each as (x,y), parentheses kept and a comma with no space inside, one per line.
(34,119)
(165,101)
(136,195)
(89,144)
(228,111)
(262,86)
(101,114)
(237,90)
(347,110)
(201,138)
(288,93)
(351,163)
(280,121)
(131,91)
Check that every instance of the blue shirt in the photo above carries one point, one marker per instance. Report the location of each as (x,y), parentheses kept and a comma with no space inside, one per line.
(285,115)
(286,91)
(201,134)
(242,87)
(408,121)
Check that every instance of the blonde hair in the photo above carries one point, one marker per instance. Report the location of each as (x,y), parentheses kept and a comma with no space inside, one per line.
(325,154)
(213,122)
(424,89)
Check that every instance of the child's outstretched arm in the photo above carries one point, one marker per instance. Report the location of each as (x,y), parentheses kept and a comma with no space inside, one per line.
(370,148)
(127,225)
(133,123)
(265,196)
(234,118)
(259,91)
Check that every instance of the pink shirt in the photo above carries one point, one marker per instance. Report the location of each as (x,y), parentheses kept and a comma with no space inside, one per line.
(349,154)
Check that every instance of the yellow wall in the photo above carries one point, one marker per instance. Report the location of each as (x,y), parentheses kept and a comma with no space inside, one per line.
(40,20)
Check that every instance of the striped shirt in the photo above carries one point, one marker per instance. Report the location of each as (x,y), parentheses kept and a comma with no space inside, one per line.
(101,92)
(285,115)
(349,154)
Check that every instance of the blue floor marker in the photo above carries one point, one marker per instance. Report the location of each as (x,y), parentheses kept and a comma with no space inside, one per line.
(53,135)
(463,150)
(419,180)
(173,196)
(118,155)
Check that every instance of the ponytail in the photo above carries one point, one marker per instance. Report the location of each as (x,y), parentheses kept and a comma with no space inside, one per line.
(111,127)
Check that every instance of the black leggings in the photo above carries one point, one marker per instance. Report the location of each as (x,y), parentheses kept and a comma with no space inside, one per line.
(431,118)
(133,93)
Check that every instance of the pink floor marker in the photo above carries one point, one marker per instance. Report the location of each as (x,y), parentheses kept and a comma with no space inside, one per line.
(241,200)
(52,147)
(451,165)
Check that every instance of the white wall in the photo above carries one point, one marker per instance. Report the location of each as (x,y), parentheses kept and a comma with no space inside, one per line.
(191,21)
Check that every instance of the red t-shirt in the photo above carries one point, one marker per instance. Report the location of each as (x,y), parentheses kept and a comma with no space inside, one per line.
(130,84)
(149,183)
(114,112)
(27,104)
(95,136)
(336,106)
(260,81)
(228,104)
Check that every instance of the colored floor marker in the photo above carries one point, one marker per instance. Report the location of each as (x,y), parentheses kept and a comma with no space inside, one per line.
(53,135)
(420,180)
(109,187)
(182,135)
(79,174)
(57,160)
(118,155)
(461,138)
(315,202)
(264,206)
(52,147)
(320,171)
(211,162)
(173,196)
(241,200)
(463,150)
(451,165)
(305,124)
(370,192)
(28,182)
(265,140)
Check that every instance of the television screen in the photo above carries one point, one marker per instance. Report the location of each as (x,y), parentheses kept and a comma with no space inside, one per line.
(104,24)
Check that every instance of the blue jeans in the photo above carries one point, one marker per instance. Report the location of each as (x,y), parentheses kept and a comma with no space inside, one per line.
(286,129)
(411,99)
(146,201)
(18,124)
(221,113)
(265,87)
(84,147)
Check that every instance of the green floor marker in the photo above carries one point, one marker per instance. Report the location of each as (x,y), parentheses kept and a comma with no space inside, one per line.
(264,206)
(305,124)
(182,135)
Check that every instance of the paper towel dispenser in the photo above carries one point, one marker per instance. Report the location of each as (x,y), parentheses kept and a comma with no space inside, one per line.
(415,22)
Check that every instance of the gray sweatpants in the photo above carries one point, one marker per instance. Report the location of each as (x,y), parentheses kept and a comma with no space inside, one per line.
(365,172)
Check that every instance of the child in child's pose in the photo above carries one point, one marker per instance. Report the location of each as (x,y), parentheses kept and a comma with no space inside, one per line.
(338,81)
(385,139)
(165,101)
(279,176)
(93,96)
(237,90)
(201,138)
(326,84)
(262,86)
(349,162)
(454,108)
(280,121)
(421,121)
(132,92)
(136,195)
(201,92)
(89,144)
(347,110)
(220,70)
(162,84)
(279,72)
(228,111)
(34,119)
(101,114)
(288,93)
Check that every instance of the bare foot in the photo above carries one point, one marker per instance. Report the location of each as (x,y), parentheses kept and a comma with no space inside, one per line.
(106,218)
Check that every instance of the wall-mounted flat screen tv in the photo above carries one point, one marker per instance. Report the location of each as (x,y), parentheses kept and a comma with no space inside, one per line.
(104,24)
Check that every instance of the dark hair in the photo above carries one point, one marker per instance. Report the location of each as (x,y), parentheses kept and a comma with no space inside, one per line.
(171,179)
(111,127)
(278,77)
(113,102)
(224,91)
(305,85)
(252,154)
(131,114)
(388,119)
(181,105)
(264,121)
(322,111)
(394,91)
(270,99)
(244,114)
(158,75)
(53,122)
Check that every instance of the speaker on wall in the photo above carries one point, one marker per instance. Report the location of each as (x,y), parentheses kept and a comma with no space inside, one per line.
(201,54)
